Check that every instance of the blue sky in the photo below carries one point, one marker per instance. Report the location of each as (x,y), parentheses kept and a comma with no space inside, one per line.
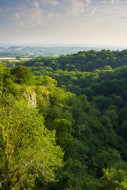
(64,21)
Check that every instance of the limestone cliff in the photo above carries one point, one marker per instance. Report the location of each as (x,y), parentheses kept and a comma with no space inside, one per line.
(30,94)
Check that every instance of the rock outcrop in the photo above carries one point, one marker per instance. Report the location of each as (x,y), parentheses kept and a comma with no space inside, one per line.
(30,94)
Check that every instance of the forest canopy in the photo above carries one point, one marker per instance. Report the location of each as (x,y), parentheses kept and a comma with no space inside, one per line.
(63,122)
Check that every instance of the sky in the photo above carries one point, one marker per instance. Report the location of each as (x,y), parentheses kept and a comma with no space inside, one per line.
(86,22)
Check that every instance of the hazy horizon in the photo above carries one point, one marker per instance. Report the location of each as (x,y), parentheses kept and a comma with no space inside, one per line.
(87,46)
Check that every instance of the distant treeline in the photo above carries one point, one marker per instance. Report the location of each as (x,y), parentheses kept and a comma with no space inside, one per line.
(82,61)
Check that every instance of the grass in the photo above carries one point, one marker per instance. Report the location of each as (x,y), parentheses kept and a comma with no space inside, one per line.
(13,59)
(7,58)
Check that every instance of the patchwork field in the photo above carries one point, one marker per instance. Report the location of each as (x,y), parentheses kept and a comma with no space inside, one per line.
(7,58)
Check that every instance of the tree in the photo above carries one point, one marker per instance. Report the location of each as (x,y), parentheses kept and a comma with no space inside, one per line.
(18,57)
(1,70)
(21,75)
(114,179)
(27,148)
(1,75)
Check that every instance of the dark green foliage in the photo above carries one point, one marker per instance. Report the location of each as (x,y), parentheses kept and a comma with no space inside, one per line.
(90,122)
(82,61)
(115,179)
(21,75)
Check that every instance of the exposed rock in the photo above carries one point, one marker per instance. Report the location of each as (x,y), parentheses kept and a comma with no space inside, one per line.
(31,97)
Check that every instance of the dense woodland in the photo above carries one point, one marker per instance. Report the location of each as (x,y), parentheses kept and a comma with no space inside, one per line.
(63,122)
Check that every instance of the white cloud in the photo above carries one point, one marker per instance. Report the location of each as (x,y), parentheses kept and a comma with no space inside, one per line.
(51,2)
(36,13)
(36,4)
(87,1)
(29,18)
(76,7)
(115,1)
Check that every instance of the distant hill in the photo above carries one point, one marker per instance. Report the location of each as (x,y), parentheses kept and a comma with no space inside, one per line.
(44,50)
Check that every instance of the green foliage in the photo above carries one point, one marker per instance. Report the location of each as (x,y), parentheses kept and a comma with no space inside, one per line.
(90,127)
(1,70)
(82,61)
(28,148)
(114,179)
(63,129)
(1,76)
(21,75)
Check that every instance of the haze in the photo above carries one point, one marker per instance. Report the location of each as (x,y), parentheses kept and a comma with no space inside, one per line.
(64,21)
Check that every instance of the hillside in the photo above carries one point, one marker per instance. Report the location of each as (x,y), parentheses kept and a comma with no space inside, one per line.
(65,120)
